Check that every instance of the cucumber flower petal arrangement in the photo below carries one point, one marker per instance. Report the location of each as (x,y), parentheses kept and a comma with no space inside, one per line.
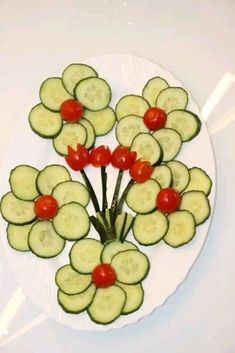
(165,199)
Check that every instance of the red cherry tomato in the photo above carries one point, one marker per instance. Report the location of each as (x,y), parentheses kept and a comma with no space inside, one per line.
(100,156)
(168,200)
(155,118)
(123,157)
(71,110)
(103,276)
(140,171)
(46,207)
(77,159)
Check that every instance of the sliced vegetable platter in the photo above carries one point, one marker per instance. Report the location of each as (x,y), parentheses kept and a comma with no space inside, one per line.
(169,266)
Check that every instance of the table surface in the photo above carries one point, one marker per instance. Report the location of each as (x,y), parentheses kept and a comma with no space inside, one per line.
(193,39)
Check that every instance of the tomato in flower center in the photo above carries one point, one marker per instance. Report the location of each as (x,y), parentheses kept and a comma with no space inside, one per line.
(103,276)
(45,207)
(71,110)
(155,118)
(168,200)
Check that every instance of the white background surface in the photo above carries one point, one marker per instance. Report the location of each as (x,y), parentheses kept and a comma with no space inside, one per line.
(195,40)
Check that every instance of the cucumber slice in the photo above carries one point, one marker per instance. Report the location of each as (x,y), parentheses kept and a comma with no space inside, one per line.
(23,182)
(107,305)
(17,211)
(186,123)
(71,282)
(74,73)
(199,181)
(126,226)
(149,229)
(75,304)
(44,122)
(128,128)
(152,89)
(85,255)
(72,222)
(120,224)
(103,121)
(172,98)
(131,266)
(181,229)
(94,93)
(131,105)
(50,176)
(71,191)
(147,148)
(52,93)
(134,297)
(198,204)
(17,236)
(163,175)
(170,142)
(70,135)
(180,175)
(90,131)
(113,248)
(141,198)
(44,241)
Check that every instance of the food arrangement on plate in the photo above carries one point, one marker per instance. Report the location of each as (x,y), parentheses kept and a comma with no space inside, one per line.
(166,200)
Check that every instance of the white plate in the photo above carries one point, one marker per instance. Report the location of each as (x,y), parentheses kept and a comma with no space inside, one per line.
(169,267)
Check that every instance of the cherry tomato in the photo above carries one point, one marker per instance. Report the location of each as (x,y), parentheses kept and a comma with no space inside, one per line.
(168,200)
(123,157)
(140,171)
(71,110)
(103,276)
(77,159)
(46,207)
(100,156)
(155,118)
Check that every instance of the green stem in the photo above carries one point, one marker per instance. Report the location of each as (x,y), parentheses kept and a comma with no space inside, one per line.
(116,191)
(119,206)
(104,188)
(91,191)
(100,229)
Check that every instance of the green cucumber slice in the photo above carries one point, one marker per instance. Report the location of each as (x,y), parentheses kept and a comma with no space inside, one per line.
(198,204)
(186,123)
(52,93)
(17,236)
(72,222)
(134,297)
(44,241)
(70,135)
(131,105)
(50,176)
(141,197)
(113,248)
(162,174)
(23,182)
(128,128)
(182,228)
(75,304)
(71,191)
(74,73)
(17,211)
(149,229)
(90,141)
(103,121)
(180,174)
(44,122)
(170,142)
(199,181)
(93,92)
(107,305)
(131,266)
(152,89)
(85,255)
(172,98)
(71,282)
(147,148)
